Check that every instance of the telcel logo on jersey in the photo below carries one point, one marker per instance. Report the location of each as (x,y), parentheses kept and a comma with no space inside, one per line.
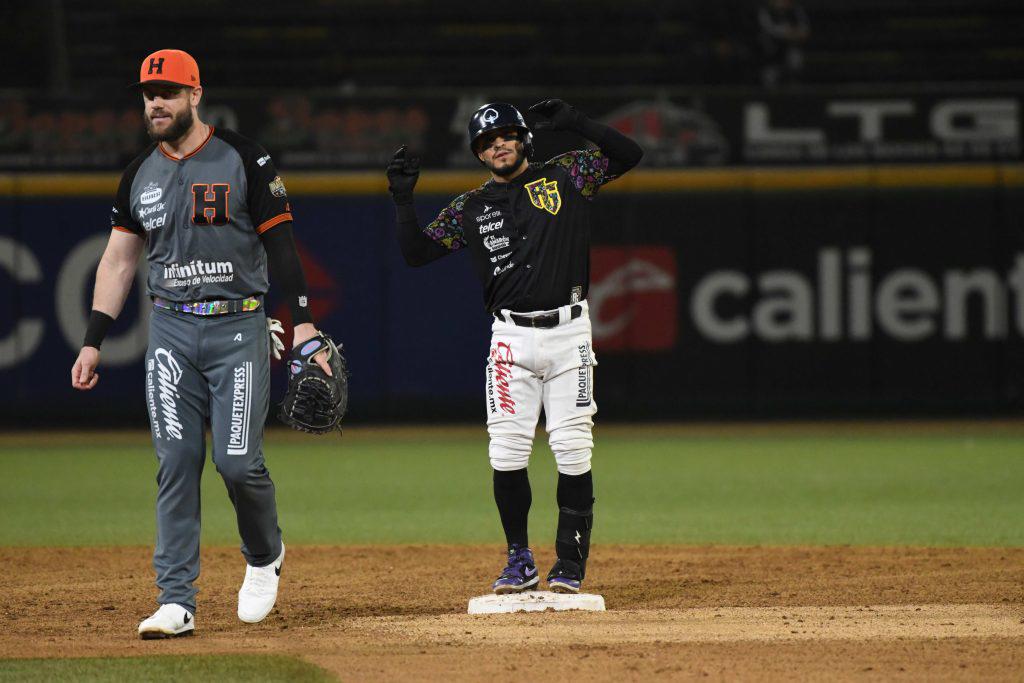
(168,374)
(495,243)
(154,221)
(491,227)
(151,194)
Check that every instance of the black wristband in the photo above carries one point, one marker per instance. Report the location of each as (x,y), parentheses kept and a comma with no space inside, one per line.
(300,311)
(99,324)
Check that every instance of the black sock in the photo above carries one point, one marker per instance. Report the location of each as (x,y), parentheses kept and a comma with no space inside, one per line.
(513,496)
(576,492)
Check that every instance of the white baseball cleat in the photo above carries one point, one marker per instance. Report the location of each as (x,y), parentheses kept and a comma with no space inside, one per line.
(170,621)
(258,593)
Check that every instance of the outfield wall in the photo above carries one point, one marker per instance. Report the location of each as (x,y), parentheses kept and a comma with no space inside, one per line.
(754,292)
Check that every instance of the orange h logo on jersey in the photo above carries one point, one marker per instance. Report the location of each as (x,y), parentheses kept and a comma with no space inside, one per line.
(210,203)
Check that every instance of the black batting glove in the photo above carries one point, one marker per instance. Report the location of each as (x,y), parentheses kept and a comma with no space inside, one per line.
(556,115)
(403,171)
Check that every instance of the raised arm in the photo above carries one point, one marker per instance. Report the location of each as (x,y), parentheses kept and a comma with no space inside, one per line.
(622,152)
(417,248)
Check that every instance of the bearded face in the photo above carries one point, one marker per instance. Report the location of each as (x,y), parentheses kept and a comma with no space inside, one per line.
(168,113)
(164,126)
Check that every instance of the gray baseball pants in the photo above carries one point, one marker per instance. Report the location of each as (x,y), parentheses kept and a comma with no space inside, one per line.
(215,367)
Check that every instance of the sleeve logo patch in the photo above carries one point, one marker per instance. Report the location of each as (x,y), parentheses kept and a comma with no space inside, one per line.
(277,187)
(262,161)
(544,195)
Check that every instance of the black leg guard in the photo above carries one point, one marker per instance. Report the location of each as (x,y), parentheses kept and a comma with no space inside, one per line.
(572,541)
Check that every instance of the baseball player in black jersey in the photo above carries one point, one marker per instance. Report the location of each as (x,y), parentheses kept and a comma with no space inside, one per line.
(211,212)
(527,230)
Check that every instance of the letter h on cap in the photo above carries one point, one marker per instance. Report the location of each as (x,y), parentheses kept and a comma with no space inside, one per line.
(156,65)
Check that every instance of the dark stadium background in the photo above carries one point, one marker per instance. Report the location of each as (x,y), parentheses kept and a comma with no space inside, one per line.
(840,238)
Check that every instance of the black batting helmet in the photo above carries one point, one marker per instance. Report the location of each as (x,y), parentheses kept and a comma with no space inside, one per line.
(499,115)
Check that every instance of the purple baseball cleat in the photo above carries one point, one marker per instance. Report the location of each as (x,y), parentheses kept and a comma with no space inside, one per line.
(519,575)
(565,577)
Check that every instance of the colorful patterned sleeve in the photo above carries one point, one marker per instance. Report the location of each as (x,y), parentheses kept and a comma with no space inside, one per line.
(587,169)
(446,229)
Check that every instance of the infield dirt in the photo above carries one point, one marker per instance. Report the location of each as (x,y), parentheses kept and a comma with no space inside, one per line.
(386,613)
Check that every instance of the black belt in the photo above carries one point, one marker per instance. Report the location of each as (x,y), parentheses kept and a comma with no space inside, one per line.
(543,320)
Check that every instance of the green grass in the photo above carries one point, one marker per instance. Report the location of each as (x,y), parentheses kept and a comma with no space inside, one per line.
(915,490)
(222,668)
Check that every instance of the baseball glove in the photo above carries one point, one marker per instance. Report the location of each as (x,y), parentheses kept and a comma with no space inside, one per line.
(315,402)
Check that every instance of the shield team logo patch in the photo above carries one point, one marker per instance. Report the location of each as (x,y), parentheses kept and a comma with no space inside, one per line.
(277,187)
(544,195)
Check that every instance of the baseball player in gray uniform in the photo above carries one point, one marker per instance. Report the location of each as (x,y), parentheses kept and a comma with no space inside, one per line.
(212,213)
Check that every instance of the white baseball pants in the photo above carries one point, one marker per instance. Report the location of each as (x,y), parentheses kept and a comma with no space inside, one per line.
(531,367)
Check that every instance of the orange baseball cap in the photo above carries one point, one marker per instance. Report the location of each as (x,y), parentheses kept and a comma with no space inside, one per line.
(172,67)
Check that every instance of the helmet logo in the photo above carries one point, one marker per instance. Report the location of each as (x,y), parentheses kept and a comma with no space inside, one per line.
(490,116)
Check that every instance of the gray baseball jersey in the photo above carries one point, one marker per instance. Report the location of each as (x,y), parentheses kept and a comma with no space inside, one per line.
(202,216)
